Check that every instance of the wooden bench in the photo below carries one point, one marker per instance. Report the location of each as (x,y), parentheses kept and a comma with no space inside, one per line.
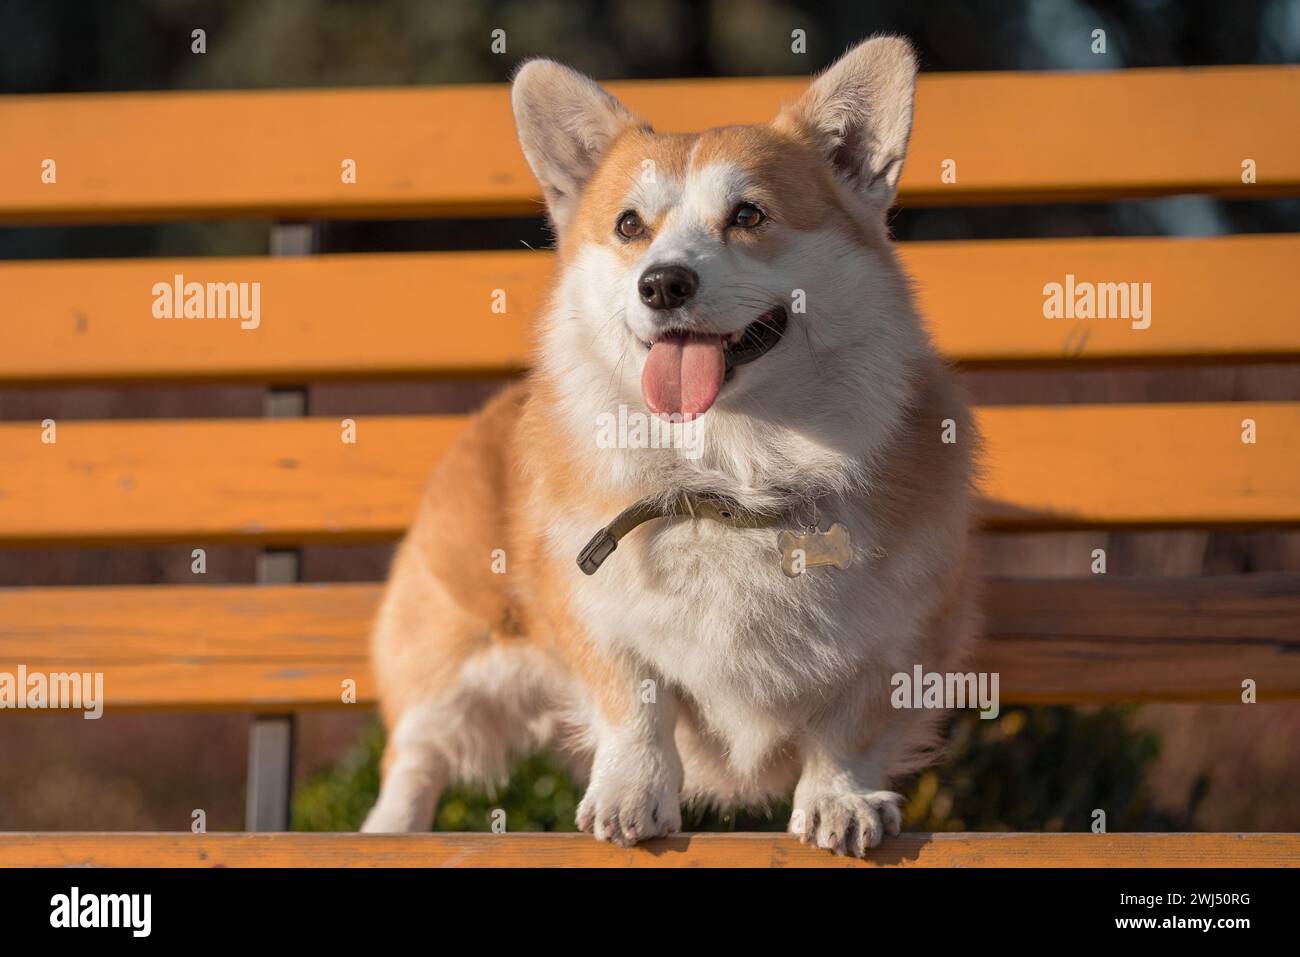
(283,482)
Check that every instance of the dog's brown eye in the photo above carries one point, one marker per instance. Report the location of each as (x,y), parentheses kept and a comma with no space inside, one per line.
(630,225)
(747,216)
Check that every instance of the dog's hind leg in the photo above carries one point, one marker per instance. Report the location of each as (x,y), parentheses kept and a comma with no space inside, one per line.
(501,706)
(415,770)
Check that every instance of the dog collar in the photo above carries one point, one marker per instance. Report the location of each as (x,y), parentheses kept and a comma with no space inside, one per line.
(711,505)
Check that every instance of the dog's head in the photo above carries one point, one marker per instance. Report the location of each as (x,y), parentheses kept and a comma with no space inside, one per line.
(745,267)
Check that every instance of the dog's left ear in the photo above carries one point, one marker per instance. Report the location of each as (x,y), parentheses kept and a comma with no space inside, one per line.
(859,112)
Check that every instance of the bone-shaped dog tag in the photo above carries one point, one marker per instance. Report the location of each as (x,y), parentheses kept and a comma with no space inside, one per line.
(803,550)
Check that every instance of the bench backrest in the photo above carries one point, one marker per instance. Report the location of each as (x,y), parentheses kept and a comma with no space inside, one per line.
(1024,138)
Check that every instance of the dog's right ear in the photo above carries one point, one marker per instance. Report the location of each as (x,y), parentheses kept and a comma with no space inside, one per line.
(566,122)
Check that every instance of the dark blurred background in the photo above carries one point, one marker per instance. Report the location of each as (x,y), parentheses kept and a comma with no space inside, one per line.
(1156,767)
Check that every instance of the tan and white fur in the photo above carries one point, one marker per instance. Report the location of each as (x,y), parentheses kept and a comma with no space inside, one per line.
(690,668)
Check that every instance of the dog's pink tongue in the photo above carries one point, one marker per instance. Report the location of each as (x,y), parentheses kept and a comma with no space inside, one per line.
(682,375)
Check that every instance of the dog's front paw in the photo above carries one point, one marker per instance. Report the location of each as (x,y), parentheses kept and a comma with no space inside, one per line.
(625,811)
(847,822)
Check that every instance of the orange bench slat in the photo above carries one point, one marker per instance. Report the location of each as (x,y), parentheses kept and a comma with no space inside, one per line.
(432,313)
(451,151)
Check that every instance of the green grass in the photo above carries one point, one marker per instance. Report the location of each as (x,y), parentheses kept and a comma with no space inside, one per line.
(1031,769)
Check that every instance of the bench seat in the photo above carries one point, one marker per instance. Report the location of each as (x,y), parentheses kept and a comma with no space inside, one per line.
(685,850)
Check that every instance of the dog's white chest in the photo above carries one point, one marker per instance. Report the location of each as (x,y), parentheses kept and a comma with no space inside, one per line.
(711,610)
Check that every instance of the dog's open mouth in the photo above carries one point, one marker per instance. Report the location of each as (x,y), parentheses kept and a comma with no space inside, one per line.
(685,371)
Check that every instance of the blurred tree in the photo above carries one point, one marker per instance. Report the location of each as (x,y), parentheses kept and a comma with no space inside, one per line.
(67,45)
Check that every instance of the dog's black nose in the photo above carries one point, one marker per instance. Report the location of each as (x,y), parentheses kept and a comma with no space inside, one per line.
(667,287)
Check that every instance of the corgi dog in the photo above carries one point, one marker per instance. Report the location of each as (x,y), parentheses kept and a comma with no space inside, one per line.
(713,622)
